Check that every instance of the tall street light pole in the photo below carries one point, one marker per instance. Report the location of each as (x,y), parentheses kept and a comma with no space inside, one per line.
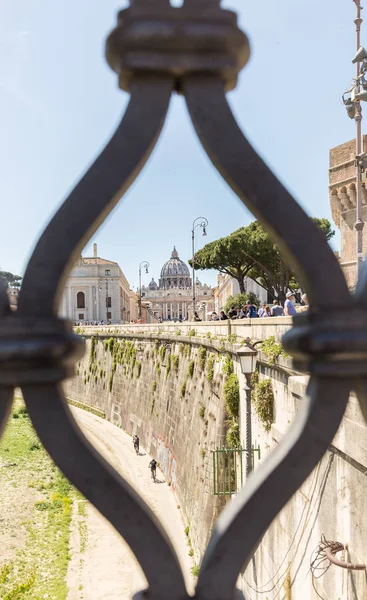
(144,264)
(106,281)
(359,160)
(203,223)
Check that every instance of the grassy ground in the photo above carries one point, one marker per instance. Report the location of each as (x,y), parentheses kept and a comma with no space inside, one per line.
(35,516)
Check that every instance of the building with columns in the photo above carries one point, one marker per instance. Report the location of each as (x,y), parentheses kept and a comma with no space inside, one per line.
(342,189)
(97,290)
(170,299)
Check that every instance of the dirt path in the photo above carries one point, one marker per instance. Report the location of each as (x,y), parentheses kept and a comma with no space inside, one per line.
(102,565)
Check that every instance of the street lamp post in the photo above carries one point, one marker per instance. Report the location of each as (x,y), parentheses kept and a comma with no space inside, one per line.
(144,264)
(352,100)
(203,223)
(359,161)
(100,288)
(247,358)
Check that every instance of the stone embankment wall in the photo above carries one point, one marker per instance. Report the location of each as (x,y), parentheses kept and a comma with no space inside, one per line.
(168,390)
(332,502)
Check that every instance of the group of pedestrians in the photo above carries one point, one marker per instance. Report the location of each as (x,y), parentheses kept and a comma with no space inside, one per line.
(250,311)
(153,463)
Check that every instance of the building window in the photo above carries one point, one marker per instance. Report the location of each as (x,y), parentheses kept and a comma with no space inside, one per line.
(81,317)
(107,272)
(80,300)
(109,304)
(108,315)
(205,293)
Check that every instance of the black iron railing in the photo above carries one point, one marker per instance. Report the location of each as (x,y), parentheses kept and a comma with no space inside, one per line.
(196,50)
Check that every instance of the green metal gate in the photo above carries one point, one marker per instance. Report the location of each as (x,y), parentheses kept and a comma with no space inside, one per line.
(228,469)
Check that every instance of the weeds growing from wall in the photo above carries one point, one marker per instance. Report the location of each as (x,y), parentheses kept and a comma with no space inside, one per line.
(162,352)
(175,362)
(227,367)
(262,396)
(202,357)
(183,390)
(201,411)
(272,350)
(210,367)
(190,369)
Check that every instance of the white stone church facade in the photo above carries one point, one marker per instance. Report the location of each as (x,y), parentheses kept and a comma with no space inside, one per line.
(171,298)
(97,290)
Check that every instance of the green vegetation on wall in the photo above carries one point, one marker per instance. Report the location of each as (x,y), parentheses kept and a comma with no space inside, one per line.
(262,396)
(210,367)
(202,357)
(272,350)
(190,368)
(231,392)
(227,367)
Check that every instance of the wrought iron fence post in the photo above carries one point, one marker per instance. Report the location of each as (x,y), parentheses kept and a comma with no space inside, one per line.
(198,51)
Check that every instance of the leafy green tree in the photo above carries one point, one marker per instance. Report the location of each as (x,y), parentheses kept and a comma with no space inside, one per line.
(250,252)
(10,280)
(241,299)
(233,255)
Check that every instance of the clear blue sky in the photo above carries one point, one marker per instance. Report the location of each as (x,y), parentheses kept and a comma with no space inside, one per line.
(59,103)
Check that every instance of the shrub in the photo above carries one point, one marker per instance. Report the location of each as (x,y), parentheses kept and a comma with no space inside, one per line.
(210,367)
(232,395)
(227,367)
(191,552)
(195,570)
(111,344)
(175,362)
(233,434)
(263,399)
(183,390)
(190,369)
(232,338)
(187,530)
(272,350)
(202,357)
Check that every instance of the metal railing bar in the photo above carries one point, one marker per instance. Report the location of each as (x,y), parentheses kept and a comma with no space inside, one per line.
(271,486)
(95,196)
(106,489)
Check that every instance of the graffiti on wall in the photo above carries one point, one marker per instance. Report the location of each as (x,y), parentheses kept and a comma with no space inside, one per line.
(166,459)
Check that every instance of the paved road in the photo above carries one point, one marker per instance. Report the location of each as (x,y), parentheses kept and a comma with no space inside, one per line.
(102,565)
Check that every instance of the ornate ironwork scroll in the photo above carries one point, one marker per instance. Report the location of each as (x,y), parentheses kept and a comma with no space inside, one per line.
(198,51)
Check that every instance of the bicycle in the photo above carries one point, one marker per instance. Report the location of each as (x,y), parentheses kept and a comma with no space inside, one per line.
(136,448)
(152,472)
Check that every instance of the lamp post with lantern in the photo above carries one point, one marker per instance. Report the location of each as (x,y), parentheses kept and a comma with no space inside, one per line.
(143,265)
(248,360)
(203,223)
